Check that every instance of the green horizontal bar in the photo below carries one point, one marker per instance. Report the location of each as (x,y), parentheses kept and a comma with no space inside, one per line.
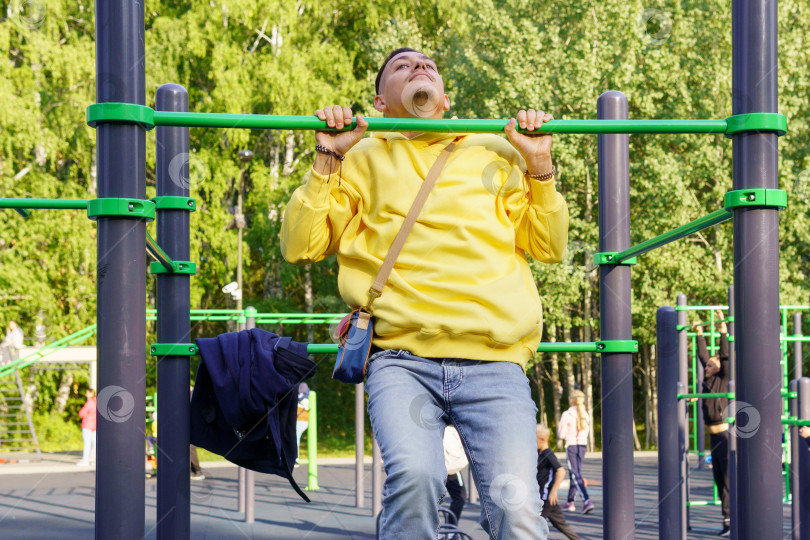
(45,204)
(693,395)
(258,121)
(174,349)
(699,308)
(703,503)
(792,421)
(789,394)
(795,338)
(607,346)
(316,348)
(718,216)
(568,346)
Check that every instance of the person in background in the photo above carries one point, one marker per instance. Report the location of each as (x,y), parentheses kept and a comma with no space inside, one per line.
(88,415)
(12,342)
(715,380)
(550,475)
(302,417)
(575,424)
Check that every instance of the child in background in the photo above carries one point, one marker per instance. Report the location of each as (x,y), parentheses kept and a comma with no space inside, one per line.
(550,475)
(88,416)
(575,424)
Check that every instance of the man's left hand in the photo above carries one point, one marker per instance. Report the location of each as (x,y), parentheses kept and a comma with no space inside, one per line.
(535,149)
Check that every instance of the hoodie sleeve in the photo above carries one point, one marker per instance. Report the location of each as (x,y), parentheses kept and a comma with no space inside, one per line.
(540,217)
(316,216)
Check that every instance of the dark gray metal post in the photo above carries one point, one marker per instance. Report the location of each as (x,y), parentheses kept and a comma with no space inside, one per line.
(683,424)
(670,451)
(797,346)
(795,491)
(359,446)
(173,326)
(732,438)
(756,275)
(803,388)
(616,324)
(121,268)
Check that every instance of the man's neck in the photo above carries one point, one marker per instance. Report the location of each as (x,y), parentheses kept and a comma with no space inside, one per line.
(542,448)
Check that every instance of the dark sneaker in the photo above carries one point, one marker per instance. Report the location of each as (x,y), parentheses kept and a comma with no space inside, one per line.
(726,531)
(587,508)
(568,507)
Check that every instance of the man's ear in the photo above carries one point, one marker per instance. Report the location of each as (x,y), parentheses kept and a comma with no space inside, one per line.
(379,104)
(446,103)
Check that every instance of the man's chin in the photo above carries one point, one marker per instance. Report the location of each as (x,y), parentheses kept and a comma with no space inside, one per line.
(421,100)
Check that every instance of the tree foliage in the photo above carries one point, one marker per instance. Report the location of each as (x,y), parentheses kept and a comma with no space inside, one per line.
(291,57)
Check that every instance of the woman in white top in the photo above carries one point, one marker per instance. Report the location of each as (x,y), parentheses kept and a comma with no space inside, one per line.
(575,425)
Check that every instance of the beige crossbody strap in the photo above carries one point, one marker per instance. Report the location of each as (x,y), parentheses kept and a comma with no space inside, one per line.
(407,225)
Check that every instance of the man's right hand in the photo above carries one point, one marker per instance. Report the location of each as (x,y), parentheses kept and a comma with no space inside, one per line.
(339,142)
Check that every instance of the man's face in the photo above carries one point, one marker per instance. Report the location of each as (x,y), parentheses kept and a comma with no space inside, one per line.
(712,366)
(411,87)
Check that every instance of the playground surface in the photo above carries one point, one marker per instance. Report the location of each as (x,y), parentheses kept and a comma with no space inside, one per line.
(53,498)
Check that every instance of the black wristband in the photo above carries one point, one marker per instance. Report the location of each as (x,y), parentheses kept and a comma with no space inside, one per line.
(325,150)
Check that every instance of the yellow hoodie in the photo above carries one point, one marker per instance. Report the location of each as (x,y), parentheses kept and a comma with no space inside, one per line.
(461,287)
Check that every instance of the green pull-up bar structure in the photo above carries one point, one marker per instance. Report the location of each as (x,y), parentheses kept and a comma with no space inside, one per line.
(99,113)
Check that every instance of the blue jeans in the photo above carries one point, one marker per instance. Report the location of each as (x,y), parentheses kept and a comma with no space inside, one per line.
(576,455)
(411,399)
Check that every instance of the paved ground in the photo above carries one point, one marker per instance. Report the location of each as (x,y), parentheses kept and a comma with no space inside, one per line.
(53,498)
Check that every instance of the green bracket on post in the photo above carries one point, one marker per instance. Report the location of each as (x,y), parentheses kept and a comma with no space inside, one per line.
(756,123)
(755,197)
(172,202)
(609,257)
(121,208)
(178,267)
(122,113)
(174,349)
(617,346)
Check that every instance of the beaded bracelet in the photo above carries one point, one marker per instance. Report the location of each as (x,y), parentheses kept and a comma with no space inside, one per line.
(544,176)
(325,150)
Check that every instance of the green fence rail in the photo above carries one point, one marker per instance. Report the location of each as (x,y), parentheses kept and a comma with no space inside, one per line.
(58,345)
